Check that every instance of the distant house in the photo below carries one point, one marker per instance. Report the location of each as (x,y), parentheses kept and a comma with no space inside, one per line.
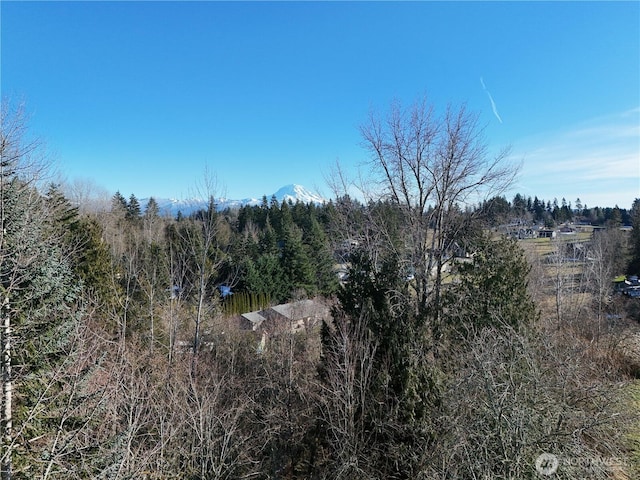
(301,315)
(517,230)
(567,230)
(526,232)
(251,321)
(546,233)
(298,316)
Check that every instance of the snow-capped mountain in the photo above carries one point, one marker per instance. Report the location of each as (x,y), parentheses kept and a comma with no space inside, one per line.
(297,193)
(294,193)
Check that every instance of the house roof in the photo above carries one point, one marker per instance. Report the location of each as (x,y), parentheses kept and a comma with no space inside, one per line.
(254,317)
(299,310)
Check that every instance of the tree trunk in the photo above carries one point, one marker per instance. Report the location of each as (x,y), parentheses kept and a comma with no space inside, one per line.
(7,390)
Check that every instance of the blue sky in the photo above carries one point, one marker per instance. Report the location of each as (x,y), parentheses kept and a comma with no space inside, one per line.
(141,97)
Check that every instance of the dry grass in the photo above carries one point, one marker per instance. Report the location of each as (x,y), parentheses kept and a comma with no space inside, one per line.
(632,437)
(611,347)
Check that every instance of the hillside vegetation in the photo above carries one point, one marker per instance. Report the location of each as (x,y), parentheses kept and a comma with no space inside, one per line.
(450,349)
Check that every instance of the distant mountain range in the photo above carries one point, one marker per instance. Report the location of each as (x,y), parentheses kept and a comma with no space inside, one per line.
(293,192)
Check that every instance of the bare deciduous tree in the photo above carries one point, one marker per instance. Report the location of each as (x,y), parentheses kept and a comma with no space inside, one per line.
(430,167)
(514,395)
(346,398)
(602,263)
(86,195)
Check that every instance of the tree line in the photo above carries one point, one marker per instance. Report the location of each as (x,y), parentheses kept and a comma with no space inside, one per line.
(122,357)
(551,213)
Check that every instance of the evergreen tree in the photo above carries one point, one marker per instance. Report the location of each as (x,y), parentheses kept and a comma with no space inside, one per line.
(268,242)
(297,267)
(634,266)
(152,209)
(495,210)
(285,220)
(93,263)
(398,390)
(38,305)
(538,210)
(519,205)
(64,218)
(262,212)
(301,214)
(565,211)
(152,223)
(81,242)
(274,215)
(119,205)
(246,216)
(555,212)
(264,276)
(491,290)
(321,258)
(133,208)
(613,217)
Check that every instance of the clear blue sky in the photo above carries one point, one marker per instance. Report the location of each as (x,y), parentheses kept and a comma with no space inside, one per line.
(140,96)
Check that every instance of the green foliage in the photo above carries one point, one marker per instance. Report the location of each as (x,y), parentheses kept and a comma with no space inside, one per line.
(133,208)
(245,302)
(92,262)
(496,210)
(41,296)
(403,388)
(268,243)
(63,217)
(265,276)
(491,289)
(119,204)
(36,276)
(152,210)
(321,258)
(283,250)
(298,270)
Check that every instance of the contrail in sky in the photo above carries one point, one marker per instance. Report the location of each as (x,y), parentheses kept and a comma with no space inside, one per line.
(493,104)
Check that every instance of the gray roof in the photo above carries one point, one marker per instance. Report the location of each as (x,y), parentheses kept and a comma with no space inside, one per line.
(300,309)
(254,317)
